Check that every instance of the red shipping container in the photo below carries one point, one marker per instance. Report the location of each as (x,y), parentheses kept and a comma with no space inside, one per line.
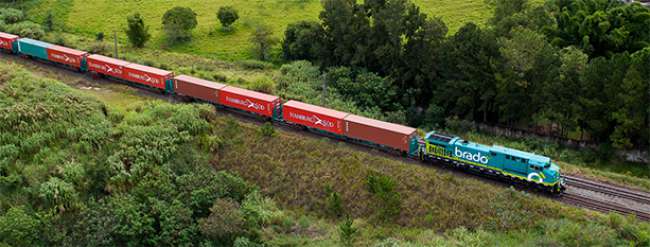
(66,55)
(314,116)
(248,100)
(197,88)
(107,66)
(388,134)
(146,75)
(7,41)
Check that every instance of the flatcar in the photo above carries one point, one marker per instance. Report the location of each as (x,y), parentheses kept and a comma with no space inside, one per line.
(504,163)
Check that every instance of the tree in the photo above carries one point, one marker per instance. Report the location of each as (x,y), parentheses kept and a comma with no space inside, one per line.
(560,105)
(346,28)
(468,69)
(137,32)
(304,40)
(528,61)
(178,23)
(263,40)
(227,15)
(600,27)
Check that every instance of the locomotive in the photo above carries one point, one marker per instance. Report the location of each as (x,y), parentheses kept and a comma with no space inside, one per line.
(495,161)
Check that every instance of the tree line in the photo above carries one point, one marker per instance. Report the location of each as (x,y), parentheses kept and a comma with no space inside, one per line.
(576,68)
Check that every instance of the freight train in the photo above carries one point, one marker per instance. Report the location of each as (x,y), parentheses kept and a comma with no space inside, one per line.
(495,161)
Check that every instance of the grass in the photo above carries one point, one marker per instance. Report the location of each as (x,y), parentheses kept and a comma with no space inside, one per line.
(208,40)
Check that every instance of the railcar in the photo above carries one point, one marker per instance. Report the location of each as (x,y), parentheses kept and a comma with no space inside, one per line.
(507,163)
(498,161)
(8,42)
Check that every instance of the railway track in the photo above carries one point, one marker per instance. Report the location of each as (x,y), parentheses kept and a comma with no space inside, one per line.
(606,198)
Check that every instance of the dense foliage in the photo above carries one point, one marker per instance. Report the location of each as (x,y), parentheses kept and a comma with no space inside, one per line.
(178,24)
(572,68)
(227,15)
(136,30)
(74,171)
(14,21)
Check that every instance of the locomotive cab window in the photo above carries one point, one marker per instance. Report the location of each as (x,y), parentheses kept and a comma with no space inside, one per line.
(493,153)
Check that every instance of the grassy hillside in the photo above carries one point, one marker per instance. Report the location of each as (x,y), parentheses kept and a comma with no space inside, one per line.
(83,148)
(109,16)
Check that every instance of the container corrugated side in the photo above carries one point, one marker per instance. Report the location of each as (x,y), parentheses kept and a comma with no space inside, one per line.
(247,100)
(33,48)
(383,133)
(146,75)
(314,116)
(197,88)
(7,41)
(66,55)
(107,66)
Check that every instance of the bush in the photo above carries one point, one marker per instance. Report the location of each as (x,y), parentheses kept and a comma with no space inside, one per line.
(99,47)
(262,41)
(26,29)
(255,64)
(59,39)
(178,23)
(99,36)
(19,228)
(48,23)
(334,204)
(137,32)
(383,188)
(303,40)
(267,130)
(220,77)
(227,15)
(347,233)
(225,222)
(11,16)
(263,84)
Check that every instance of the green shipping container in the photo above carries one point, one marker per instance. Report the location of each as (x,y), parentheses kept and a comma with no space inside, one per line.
(33,48)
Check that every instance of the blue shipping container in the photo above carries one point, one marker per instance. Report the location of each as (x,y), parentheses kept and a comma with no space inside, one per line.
(33,48)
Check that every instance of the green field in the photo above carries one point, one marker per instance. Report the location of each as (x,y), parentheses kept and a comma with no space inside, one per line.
(91,17)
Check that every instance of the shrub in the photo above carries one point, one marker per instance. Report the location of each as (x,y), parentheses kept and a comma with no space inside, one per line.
(178,23)
(59,39)
(267,130)
(263,84)
(383,188)
(262,41)
(259,211)
(334,203)
(27,29)
(347,232)
(303,40)
(99,48)
(225,222)
(255,64)
(48,23)
(99,36)
(220,77)
(19,228)
(137,31)
(58,193)
(11,16)
(227,15)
